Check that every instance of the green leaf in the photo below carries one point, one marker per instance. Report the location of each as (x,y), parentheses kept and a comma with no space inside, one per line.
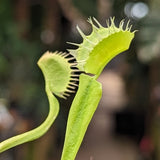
(81,112)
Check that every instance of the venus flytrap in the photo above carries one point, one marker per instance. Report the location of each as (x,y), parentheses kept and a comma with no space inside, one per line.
(92,55)
(103,44)
(96,50)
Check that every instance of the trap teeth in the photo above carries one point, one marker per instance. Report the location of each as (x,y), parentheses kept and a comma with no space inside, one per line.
(121,24)
(127,25)
(71,58)
(70,91)
(66,55)
(74,75)
(74,44)
(71,87)
(63,96)
(74,79)
(81,33)
(66,94)
(130,28)
(96,21)
(74,64)
(76,70)
(73,84)
(59,53)
(63,54)
(91,22)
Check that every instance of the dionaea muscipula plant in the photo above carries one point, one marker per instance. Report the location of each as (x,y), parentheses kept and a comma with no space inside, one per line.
(60,75)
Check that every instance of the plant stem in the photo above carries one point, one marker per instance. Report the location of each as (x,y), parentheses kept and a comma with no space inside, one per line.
(37,132)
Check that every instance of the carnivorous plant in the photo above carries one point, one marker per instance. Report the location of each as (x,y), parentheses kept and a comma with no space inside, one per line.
(61,77)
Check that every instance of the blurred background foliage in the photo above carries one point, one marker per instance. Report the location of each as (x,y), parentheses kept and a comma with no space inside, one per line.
(28,28)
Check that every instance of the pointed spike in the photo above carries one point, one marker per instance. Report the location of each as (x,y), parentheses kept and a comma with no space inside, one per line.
(63,96)
(73,84)
(90,19)
(75,70)
(113,23)
(93,26)
(66,55)
(127,25)
(112,20)
(71,58)
(70,87)
(74,75)
(80,32)
(74,64)
(135,31)
(74,79)
(74,44)
(99,25)
(121,24)
(58,53)
(107,23)
(130,28)
(66,94)
(63,53)
(95,29)
(69,91)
